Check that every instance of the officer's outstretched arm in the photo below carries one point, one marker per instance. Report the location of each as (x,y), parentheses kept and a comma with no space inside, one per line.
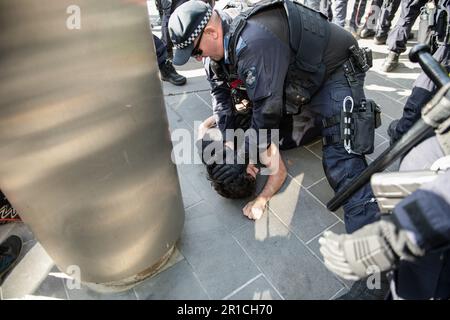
(277,175)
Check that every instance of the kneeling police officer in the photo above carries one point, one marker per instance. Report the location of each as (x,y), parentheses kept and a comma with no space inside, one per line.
(287,56)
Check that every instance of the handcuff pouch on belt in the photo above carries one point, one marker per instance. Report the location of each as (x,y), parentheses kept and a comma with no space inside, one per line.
(359,116)
(358,125)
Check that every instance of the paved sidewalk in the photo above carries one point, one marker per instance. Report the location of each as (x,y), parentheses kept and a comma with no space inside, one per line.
(223,255)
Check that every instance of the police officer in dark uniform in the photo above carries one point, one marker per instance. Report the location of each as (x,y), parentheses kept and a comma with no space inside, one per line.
(160,13)
(166,69)
(397,38)
(340,13)
(255,48)
(167,7)
(379,19)
(323,6)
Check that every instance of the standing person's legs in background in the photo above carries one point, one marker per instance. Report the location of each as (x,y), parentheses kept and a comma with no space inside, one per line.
(388,11)
(168,72)
(160,13)
(359,8)
(397,38)
(340,12)
(372,17)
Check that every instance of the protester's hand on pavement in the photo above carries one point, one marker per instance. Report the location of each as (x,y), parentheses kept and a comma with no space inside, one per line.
(255,208)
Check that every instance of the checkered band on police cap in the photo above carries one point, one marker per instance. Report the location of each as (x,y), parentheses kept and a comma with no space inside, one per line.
(196,32)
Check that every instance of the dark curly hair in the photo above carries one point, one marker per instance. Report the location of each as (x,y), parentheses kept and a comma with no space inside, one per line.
(243,186)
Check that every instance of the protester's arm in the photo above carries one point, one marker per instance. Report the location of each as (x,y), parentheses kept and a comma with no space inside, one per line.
(278,173)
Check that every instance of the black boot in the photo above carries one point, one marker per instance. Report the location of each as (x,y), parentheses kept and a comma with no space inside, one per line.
(391,61)
(360,290)
(392,132)
(380,39)
(366,33)
(168,73)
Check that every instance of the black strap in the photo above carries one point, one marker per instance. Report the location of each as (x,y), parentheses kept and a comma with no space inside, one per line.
(333,139)
(331,121)
(238,25)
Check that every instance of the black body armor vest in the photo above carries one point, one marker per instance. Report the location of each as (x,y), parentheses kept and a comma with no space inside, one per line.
(309,32)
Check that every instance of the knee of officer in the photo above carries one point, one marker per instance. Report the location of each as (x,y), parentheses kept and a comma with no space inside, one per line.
(341,167)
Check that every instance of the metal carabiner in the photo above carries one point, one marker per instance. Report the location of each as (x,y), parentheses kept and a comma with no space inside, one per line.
(347,120)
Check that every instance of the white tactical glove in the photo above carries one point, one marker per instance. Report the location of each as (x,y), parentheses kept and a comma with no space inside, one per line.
(376,247)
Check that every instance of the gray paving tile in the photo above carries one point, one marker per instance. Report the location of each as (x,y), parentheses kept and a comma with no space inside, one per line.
(197,177)
(379,139)
(325,193)
(388,104)
(206,97)
(227,211)
(52,286)
(190,108)
(190,197)
(403,75)
(84,293)
(175,119)
(341,293)
(220,263)
(316,148)
(303,165)
(314,245)
(303,214)
(176,283)
(379,82)
(403,100)
(196,80)
(382,130)
(286,262)
(377,152)
(259,289)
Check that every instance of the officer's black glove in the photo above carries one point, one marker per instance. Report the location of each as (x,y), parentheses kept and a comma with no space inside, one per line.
(392,132)
(225,173)
(242,120)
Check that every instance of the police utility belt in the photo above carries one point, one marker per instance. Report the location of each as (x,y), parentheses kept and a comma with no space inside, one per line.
(359,116)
